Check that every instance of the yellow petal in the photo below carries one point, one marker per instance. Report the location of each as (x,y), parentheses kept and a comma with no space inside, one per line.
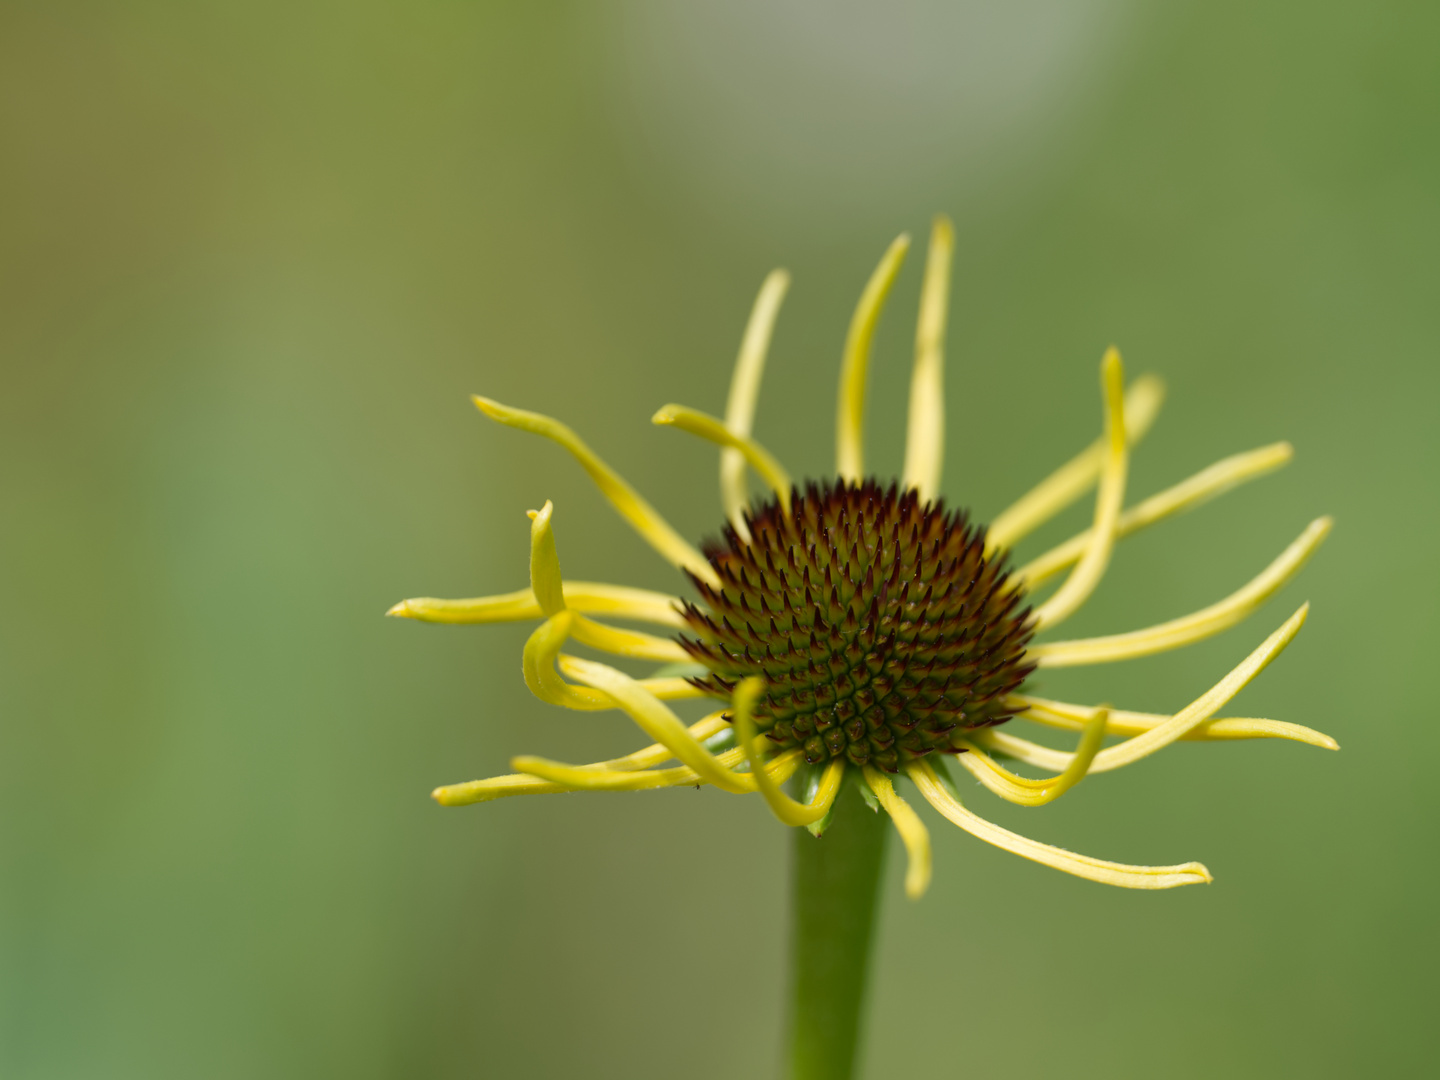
(1068,717)
(545,581)
(913,833)
(1179,725)
(781,805)
(850,409)
(1186,495)
(1111,496)
(499,787)
(708,427)
(1073,479)
(1026,792)
(656,720)
(542,654)
(1106,873)
(925,434)
(640,514)
(1191,628)
(591,597)
(588,778)
(745,392)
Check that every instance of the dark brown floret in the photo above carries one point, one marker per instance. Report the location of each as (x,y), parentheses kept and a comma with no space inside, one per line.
(878,624)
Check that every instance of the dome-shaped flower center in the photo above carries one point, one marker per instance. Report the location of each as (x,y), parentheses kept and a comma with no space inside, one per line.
(878,624)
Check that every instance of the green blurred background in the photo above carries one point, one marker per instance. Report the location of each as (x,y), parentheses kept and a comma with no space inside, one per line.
(253,259)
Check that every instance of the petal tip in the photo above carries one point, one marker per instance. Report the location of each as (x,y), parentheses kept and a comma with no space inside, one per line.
(490,408)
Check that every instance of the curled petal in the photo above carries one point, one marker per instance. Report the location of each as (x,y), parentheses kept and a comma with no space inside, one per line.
(781,805)
(1026,792)
(1106,873)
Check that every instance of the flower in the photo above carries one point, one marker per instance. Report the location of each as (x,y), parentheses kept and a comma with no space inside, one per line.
(855,629)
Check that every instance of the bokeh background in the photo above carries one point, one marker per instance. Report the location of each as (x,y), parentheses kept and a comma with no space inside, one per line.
(253,259)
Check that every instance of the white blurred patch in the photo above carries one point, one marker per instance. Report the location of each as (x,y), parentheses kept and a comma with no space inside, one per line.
(798,111)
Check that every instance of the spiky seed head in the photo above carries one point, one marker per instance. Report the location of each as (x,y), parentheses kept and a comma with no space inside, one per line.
(877,622)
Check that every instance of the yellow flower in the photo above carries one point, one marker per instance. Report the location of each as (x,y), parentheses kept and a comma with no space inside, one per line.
(857,630)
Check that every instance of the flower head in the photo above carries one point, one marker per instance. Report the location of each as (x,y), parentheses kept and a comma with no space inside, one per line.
(852,628)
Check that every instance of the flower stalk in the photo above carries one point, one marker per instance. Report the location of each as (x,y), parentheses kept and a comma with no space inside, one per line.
(834,898)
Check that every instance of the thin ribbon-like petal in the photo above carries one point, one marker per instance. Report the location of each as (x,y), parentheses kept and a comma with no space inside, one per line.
(1186,495)
(781,805)
(1074,478)
(850,408)
(656,720)
(545,580)
(547,585)
(643,517)
(666,688)
(1183,722)
(1107,873)
(591,597)
(745,392)
(542,654)
(913,833)
(1191,628)
(1068,717)
(1111,496)
(925,434)
(584,778)
(500,787)
(1026,792)
(708,427)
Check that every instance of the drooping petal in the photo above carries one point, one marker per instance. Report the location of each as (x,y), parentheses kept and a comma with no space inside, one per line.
(542,654)
(781,805)
(913,833)
(1026,792)
(1101,870)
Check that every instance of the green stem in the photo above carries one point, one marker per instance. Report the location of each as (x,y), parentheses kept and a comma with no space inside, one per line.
(834,895)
